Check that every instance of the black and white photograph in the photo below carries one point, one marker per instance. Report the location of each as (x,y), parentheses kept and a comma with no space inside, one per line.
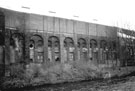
(67,45)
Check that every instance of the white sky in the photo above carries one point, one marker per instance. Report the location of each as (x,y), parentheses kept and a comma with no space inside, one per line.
(108,12)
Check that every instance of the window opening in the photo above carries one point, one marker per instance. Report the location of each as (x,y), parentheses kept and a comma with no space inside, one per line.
(103,51)
(69,49)
(36,49)
(53,49)
(83,50)
(93,50)
(16,48)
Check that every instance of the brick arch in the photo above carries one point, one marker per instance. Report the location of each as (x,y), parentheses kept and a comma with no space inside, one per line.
(36,38)
(93,43)
(53,41)
(53,49)
(82,49)
(82,43)
(68,42)
(103,44)
(17,45)
(104,52)
(93,50)
(36,46)
(18,35)
(69,49)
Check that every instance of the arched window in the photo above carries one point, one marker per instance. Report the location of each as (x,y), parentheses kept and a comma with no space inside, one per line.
(93,50)
(1,39)
(16,48)
(103,51)
(2,43)
(1,48)
(114,50)
(36,50)
(49,50)
(93,43)
(83,50)
(103,44)
(111,54)
(69,49)
(2,21)
(130,56)
(53,48)
(110,51)
(68,42)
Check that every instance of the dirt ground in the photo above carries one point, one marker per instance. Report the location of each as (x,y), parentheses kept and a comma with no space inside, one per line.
(121,84)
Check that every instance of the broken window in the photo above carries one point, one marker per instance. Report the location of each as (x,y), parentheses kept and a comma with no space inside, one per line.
(83,50)
(1,48)
(53,48)
(93,50)
(31,50)
(16,48)
(111,54)
(114,53)
(36,49)
(69,49)
(103,51)
(2,43)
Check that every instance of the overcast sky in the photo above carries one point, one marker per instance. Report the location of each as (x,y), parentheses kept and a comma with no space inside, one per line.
(108,12)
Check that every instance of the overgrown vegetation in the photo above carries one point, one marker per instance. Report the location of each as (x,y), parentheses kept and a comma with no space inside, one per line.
(37,74)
